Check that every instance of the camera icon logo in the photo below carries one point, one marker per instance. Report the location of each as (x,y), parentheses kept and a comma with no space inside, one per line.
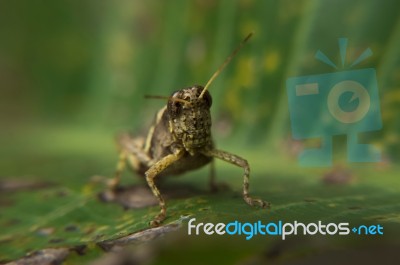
(358,92)
(340,103)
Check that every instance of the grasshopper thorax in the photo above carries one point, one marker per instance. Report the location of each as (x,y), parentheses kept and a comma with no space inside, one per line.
(190,118)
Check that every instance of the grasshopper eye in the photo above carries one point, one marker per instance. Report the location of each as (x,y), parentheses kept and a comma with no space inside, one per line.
(174,108)
(207,98)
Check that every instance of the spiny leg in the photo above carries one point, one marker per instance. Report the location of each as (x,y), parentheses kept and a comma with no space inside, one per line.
(238,161)
(151,173)
(113,183)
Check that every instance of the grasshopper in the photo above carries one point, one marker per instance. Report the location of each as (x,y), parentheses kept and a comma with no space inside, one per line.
(178,141)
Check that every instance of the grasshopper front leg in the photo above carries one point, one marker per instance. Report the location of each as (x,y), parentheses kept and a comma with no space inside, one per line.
(151,173)
(238,161)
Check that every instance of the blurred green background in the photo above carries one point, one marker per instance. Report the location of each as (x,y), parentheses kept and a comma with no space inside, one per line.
(74,73)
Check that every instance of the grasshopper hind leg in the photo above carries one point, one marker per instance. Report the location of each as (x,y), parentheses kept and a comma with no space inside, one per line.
(131,152)
(114,182)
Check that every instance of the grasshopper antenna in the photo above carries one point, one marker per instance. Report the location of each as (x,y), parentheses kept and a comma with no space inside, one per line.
(168,98)
(227,60)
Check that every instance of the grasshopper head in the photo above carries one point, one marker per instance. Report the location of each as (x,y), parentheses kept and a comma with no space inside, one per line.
(189,117)
(189,111)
